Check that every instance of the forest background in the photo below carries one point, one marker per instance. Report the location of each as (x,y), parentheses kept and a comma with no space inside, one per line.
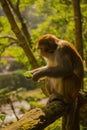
(22,22)
(38,18)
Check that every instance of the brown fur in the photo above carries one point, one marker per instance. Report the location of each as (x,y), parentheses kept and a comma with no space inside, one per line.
(64,68)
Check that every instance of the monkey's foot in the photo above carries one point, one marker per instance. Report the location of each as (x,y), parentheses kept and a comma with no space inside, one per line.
(56,97)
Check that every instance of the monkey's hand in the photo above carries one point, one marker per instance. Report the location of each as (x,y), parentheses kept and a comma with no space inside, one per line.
(38,73)
(29,74)
(36,76)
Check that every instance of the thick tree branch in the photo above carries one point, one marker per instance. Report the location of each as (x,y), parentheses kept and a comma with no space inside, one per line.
(22,21)
(20,36)
(39,118)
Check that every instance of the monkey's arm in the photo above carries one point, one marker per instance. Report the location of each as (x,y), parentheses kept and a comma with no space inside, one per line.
(52,72)
(38,69)
(63,69)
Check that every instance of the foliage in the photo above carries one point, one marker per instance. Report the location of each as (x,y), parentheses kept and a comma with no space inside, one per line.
(19,56)
(2,117)
(55,126)
(5,26)
(43,16)
(56,19)
(84,19)
(28,74)
(24,3)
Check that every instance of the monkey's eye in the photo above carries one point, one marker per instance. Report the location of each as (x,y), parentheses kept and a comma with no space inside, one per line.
(46,49)
(49,50)
(42,49)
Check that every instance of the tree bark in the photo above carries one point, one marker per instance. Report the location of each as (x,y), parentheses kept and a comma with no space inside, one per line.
(78,26)
(24,28)
(39,118)
(22,40)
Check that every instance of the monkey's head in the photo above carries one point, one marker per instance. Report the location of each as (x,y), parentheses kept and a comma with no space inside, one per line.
(47,45)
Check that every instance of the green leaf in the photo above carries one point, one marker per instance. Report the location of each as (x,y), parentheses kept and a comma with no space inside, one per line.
(27,74)
(2,117)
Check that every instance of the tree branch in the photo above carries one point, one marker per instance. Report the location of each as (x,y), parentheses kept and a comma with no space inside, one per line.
(6,46)
(78,26)
(9,37)
(20,36)
(22,21)
(38,119)
(17,4)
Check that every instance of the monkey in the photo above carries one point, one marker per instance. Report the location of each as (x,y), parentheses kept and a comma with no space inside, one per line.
(64,68)
(63,72)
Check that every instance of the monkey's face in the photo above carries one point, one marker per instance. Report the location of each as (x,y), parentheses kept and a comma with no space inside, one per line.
(47,46)
(43,50)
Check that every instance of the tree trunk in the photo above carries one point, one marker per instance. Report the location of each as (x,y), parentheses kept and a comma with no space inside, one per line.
(78,26)
(22,40)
